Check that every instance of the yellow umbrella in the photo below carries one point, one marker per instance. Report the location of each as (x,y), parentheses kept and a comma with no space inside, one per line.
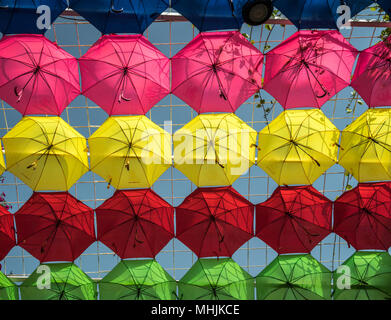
(2,163)
(298,146)
(46,153)
(366,146)
(130,151)
(214,149)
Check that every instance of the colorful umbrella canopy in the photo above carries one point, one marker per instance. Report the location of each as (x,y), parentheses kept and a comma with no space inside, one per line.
(216,279)
(7,232)
(214,221)
(362,216)
(8,289)
(40,148)
(366,146)
(20,16)
(125,74)
(372,75)
(67,282)
(294,219)
(137,280)
(298,146)
(55,226)
(316,14)
(2,163)
(214,149)
(217,72)
(309,68)
(36,76)
(120,16)
(369,276)
(130,152)
(294,277)
(135,223)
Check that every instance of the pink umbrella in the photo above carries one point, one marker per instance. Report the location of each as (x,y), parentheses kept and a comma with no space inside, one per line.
(37,76)
(309,68)
(372,76)
(217,72)
(125,74)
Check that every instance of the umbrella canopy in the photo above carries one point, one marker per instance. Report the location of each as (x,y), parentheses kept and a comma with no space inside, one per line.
(298,146)
(2,163)
(55,226)
(130,152)
(7,232)
(216,279)
(309,68)
(214,221)
(372,75)
(67,282)
(366,146)
(137,280)
(125,74)
(135,223)
(370,277)
(362,216)
(385,5)
(8,289)
(120,16)
(36,76)
(40,148)
(316,14)
(214,149)
(217,72)
(20,16)
(294,277)
(294,219)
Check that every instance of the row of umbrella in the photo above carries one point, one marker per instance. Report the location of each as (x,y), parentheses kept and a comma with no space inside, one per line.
(215,72)
(210,221)
(288,277)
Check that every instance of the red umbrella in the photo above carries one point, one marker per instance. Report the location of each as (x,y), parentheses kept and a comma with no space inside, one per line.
(362,216)
(309,68)
(125,74)
(37,76)
(135,223)
(55,226)
(372,76)
(7,232)
(215,221)
(294,219)
(217,72)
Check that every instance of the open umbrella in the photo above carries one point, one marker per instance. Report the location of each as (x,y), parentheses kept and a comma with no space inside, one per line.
(20,16)
(137,280)
(7,232)
(214,221)
(125,74)
(298,146)
(214,149)
(36,76)
(369,277)
(130,152)
(309,68)
(316,14)
(294,219)
(362,216)
(372,75)
(120,16)
(55,226)
(217,72)
(216,279)
(135,223)
(366,146)
(67,282)
(46,153)
(8,289)
(294,277)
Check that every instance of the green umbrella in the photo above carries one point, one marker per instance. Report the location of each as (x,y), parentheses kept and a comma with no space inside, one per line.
(216,279)
(370,277)
(8,289)
(294,277)
(137,280)
(67,282)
